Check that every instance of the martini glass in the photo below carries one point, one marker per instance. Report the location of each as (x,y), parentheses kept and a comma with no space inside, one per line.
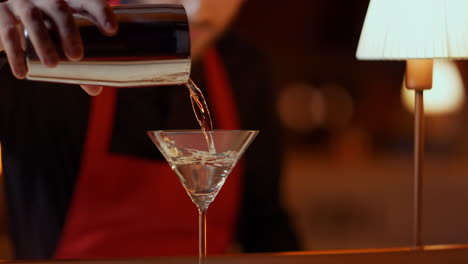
(202,169)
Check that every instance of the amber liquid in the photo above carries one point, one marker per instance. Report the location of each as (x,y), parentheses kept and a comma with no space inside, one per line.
(202,113)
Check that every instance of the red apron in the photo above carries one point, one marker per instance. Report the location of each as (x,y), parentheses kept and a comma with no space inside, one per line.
(129,207)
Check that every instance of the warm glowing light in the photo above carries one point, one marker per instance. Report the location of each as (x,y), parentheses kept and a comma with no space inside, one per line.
(447,94)
(302,107)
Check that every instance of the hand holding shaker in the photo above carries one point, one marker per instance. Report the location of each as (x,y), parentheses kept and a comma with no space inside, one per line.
(152,47)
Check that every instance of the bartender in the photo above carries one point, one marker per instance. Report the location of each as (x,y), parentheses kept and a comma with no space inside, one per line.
(83,180)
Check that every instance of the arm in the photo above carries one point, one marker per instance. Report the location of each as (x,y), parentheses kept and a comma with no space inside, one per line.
(34,15)
(267,226)
(264,223)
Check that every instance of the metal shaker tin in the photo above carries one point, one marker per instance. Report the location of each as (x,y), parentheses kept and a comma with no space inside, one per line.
(151,48)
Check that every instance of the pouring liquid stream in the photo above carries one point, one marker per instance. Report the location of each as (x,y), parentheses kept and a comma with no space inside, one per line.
(202,113)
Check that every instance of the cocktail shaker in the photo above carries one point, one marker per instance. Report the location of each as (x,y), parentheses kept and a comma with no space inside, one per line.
(152,47)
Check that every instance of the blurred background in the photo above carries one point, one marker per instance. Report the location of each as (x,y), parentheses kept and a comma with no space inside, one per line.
(349,131)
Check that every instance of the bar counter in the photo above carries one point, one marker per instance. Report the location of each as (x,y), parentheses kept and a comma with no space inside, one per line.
(450,254)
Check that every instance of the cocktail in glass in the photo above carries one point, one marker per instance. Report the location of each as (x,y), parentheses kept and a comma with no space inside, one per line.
(202,169)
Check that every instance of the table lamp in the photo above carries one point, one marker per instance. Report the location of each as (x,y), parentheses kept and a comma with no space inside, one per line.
(417,31)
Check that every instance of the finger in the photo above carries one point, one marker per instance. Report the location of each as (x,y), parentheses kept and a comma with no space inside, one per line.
(99,11)
(32,19)
(61,14)
(92,90)
(10,37)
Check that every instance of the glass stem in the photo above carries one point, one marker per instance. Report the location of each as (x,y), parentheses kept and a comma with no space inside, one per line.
(202,235)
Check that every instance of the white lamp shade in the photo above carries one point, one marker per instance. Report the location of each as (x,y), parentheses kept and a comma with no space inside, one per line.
(414,29)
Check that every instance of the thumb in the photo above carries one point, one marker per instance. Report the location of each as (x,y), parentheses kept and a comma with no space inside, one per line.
(92,90)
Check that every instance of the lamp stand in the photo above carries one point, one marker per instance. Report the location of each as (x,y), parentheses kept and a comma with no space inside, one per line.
(418,78)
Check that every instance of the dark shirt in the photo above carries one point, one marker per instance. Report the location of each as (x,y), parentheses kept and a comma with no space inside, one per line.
(42,131)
